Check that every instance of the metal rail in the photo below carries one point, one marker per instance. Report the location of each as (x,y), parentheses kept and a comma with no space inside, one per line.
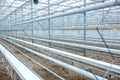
(114,51)
(56,39)
(80,71)
(98,63)
(35,61)
(88,38)
(111,42)
(24,72)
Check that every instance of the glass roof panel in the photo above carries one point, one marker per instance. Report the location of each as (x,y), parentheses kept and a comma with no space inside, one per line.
(10,6)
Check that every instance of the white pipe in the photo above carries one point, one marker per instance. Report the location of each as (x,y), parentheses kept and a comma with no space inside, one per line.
(19,67)
(55,41)
(63,39)
(88,38)
(110,42)
(35,61)
(101,64)
(114,51)
(83,9)
(80,71)
(79,41)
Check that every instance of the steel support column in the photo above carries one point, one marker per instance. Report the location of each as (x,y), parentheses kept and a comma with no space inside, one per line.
(84,30)
(49,25)
(32,19)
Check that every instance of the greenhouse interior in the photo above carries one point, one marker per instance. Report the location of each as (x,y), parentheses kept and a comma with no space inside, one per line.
(59,39)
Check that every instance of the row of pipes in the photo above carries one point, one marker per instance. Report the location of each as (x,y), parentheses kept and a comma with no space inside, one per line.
(114,51)
(23,71)
(89,41)
(68,66)
(98,63)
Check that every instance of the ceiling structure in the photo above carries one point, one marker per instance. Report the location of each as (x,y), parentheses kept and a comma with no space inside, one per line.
(9,6)
(19,13)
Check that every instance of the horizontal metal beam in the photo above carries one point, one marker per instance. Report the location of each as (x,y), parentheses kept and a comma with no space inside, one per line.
(83,9)
(98,63)
(70,67)
(24,72)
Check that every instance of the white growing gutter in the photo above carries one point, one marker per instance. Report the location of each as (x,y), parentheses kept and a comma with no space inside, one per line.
(98,63)
(24,72)
(70,67)
(114,51)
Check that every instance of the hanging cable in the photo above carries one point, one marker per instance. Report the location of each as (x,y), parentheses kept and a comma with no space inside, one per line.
(106,45)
